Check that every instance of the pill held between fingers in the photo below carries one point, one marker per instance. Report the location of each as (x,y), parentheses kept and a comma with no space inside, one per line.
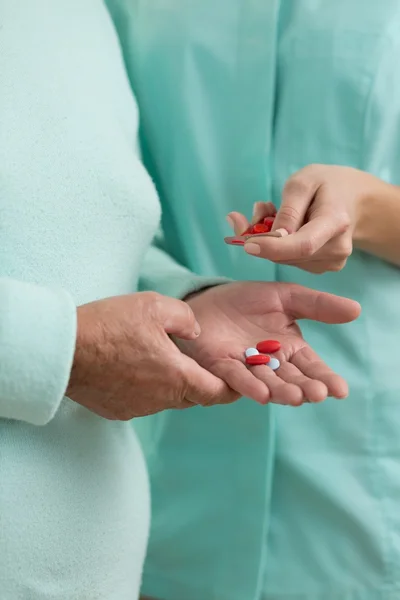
(251,352)
(261,229)
(269,221)
(253,228)
(259,359)
(268,346)
(235,241)
(274,364)
(278,233)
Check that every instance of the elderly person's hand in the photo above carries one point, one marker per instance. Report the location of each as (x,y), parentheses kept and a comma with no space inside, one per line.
(126,365)
(326,210)
(236,316)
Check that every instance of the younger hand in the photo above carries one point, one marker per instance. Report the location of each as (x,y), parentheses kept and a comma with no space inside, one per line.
(320,210)
(126,365)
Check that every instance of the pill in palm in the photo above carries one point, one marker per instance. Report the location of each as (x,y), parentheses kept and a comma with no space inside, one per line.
(274,363)
(251,352)
(258,359)
(268,346)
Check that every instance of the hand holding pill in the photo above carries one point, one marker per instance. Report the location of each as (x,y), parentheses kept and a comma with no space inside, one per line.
(241,321)
(322,215)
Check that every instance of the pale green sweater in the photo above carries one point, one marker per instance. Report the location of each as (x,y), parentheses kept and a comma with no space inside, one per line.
(77,216)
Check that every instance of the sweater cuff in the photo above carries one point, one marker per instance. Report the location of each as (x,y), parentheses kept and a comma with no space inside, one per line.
(37,345)
(180,288)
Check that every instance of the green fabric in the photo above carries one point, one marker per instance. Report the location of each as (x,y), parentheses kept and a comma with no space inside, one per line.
(77,216)
(37,333)
(161,273)
(255,503)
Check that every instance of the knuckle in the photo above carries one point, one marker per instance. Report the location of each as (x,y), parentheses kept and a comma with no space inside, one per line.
(337,266)
(152,297)
(344,221)
(345,249)
(153,303)
(307,248)
(297,185)
(289,213)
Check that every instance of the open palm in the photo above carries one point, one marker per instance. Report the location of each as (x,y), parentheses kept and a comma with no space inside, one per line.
(236,316)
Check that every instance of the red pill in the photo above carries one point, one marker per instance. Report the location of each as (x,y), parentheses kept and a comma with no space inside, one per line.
(268,346)
(237,242)
(258,359)
(269,221)
(248,231)
(251,228)
(268,226)
(260,229)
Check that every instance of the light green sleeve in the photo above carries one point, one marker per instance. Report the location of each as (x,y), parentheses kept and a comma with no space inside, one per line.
(37,343)
(163,274)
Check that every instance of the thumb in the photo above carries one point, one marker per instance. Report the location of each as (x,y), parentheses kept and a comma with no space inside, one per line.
(304,303)
(297,196)
(178,319)
(205,388)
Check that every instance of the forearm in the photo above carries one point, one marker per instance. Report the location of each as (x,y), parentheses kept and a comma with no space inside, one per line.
(378,224)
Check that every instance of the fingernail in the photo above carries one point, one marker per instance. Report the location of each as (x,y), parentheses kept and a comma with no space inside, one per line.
(197,329)
(235,240)
(257,211)
(283,232)
(230,222)
(252,248)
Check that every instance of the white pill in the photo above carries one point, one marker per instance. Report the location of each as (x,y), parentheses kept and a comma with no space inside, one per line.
(251,352)
(274,364)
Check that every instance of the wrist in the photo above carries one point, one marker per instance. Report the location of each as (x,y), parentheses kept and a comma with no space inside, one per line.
(372,216)
(77,375)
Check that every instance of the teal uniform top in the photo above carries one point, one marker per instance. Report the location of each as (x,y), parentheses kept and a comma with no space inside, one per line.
(77,216)
(254,503)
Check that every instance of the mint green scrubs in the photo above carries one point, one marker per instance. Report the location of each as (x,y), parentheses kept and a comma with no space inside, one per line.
(255,503)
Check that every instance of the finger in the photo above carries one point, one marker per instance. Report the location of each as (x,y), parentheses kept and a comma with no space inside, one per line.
(281,392)
(176,317)
(309,363)
(240,240)
(322,266)
(297,196)
(305,303)
(335,252)
(337,249)
(238,222)
(262,210)
(184,404)
(317,266)
(300,245)
(313,390)
(203,387)
(242,380)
